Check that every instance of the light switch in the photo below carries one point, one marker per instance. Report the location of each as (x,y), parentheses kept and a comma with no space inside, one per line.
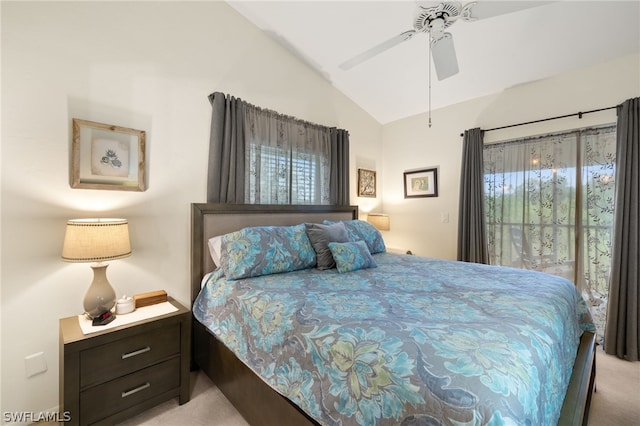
(444,217)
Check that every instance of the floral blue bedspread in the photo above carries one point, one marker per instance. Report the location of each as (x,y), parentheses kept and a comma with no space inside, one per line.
(415,341)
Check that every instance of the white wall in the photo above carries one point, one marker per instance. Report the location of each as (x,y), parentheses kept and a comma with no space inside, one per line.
(147,66)
(150,66)
(408,144)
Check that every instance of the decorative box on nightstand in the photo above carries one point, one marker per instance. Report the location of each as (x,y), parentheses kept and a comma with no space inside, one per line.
(112,374)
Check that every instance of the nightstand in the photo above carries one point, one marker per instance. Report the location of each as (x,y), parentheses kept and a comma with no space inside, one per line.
(116,373)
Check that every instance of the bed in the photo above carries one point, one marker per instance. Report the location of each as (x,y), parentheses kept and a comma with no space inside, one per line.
(390,342)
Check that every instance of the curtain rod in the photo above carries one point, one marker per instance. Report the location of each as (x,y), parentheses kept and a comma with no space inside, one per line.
(579,114)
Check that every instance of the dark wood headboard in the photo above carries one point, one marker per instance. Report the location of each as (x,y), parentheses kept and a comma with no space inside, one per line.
(209,220)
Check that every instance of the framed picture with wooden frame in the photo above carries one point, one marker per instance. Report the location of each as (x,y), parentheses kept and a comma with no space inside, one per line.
(104,156)
(421,183)
(366,183)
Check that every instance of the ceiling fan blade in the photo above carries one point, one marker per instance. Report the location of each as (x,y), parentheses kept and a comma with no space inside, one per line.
(443,53)
(376,50)
(487,9)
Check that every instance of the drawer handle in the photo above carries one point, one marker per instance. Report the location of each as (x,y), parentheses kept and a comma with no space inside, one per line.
(135,390)
(134,353)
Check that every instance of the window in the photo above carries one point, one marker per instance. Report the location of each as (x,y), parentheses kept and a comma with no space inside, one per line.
(287,160)
(259,156)
(549,207)
(282,176)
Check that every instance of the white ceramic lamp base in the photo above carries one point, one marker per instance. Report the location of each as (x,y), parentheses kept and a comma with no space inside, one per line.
(100,297)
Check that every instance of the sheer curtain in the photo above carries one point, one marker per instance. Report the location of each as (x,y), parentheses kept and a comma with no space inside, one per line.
(549,206)
(259,156)
(598,161)
(289,160)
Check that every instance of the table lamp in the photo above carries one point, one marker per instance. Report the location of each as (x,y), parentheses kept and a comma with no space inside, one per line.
(379,221)
(97,241)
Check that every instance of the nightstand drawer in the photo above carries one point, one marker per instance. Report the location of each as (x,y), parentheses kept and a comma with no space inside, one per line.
(112,397)
(105,362)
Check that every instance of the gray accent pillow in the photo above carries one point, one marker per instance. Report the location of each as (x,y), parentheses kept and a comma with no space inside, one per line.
(361,230)
(320,236)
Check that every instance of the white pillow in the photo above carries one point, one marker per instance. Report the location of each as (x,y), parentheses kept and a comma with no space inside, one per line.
(205,279)
(215,248)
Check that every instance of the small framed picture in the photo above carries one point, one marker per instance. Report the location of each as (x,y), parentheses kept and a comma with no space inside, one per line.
(104,156)
(421,183)
(366,183)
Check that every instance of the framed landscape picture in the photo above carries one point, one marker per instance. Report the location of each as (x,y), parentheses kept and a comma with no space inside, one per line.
(421,183)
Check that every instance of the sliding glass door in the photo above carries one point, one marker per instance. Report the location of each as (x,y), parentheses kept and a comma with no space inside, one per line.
(549,206)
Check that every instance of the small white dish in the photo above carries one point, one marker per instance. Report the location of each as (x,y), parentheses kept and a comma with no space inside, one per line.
(125,305)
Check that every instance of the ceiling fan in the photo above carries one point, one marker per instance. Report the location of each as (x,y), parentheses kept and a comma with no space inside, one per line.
(433,20)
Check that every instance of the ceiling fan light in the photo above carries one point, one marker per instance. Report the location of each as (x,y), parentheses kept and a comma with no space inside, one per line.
(436,29)
(443,53)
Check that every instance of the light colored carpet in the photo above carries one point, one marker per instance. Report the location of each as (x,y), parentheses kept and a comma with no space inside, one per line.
(615,403)
(208,406)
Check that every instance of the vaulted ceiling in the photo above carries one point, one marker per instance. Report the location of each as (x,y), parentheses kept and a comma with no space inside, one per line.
(522,42)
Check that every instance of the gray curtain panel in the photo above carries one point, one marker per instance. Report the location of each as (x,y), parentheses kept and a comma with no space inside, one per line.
(622,332)
(472,234)
(225,182)
(339,167)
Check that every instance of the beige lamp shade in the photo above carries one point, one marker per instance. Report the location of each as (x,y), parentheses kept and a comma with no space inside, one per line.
(379,221)
(96,240)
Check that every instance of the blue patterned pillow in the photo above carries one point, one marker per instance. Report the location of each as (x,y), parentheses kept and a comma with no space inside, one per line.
(265,250)
(361,230)
(352,256)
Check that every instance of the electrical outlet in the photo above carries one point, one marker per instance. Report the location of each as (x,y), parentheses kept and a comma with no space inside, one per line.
(35,364)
